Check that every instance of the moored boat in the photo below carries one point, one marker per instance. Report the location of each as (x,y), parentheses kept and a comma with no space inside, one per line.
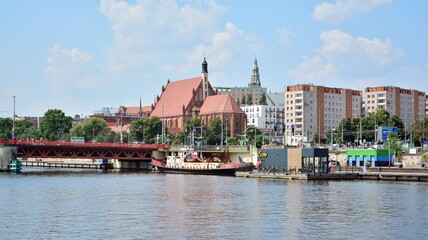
(187,161)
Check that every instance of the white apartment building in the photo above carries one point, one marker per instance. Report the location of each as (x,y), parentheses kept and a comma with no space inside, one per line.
(311,109)
(408,104)
(265,117)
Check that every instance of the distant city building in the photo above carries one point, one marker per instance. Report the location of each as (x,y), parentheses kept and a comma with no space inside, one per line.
(119,119)
(408,104)
(426,105)
(267,117)
(254,89)
(311,109)
(106,111)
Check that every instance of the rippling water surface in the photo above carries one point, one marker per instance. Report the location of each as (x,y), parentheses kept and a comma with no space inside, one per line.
(93,205)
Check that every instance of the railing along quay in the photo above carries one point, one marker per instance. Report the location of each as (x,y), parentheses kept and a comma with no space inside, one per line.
(61,165)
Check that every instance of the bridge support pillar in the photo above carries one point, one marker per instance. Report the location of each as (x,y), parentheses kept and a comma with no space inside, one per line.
(7,154)
(131,165)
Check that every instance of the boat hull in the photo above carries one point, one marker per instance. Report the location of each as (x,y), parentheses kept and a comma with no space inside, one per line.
(222,171)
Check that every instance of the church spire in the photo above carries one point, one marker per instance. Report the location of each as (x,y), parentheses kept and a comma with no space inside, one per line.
(204,66)
(205,88)
(255,76)
(140,112)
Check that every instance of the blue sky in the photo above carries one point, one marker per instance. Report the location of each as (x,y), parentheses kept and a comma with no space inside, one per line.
(82,55)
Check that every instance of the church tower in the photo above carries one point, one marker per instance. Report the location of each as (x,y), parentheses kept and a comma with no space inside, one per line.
(204,79)
(255,76)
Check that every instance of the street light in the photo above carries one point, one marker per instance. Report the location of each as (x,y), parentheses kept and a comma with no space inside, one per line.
(389,151)
(319,124)
(13,125)
(423,127)
(93,134)
(332,137)
(375,130)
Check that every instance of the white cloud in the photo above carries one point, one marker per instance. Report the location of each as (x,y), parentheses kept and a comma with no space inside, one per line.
(156,33)
(70,68)
(285,36)
(344,58)
(342,9)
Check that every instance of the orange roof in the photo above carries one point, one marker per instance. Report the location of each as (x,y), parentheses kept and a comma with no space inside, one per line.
(133,110)
(223,103)
(118,128)
(147,108)
(176,95)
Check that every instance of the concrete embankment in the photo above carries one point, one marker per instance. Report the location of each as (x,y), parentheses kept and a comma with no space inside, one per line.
(385,174)
(256,174)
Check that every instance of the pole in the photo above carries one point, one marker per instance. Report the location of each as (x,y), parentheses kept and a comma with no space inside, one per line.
(375,131)
(221,136)
(361,132)
(319,124)
(121,124)
(163,126)
(13,125)
(389,151)
(405,131)
(342,134)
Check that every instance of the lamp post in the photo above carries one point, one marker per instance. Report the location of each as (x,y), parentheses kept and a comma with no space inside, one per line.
(93,134)
(13,125)
(143,133)
(423,126)
(332,137)
(375,130)
(319,124)
(389,151)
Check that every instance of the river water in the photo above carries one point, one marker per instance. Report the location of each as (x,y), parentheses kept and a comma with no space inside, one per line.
(89,204)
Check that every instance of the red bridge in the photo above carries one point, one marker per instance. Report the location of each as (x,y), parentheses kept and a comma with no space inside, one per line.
(88,150)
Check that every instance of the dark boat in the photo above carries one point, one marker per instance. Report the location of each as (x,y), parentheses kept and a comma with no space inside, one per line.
(186,163)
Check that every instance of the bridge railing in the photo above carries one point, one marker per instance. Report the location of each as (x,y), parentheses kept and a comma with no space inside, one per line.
(83,144)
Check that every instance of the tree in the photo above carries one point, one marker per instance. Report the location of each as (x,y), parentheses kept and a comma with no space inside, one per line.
(93,129)
(213,136)
(244,100)
(138,130)
(263,99)
(25,130)
(420,131)
(250,99)
(55,124)
(261,140)
(153,130)
(251,133)
(395,145)
(5,128)
(232,141)
(316,137)
(106,135)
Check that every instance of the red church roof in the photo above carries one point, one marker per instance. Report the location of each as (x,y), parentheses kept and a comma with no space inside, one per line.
(176,95)
(220,104)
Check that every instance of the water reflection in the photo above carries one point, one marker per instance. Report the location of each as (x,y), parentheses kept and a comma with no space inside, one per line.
(92,204)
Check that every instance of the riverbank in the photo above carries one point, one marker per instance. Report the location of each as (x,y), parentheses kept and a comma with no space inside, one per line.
(386,174)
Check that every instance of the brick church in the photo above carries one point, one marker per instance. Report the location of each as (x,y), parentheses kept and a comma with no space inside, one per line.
(195,98)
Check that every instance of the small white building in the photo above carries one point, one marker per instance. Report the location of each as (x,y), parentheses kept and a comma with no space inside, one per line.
(268,118)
